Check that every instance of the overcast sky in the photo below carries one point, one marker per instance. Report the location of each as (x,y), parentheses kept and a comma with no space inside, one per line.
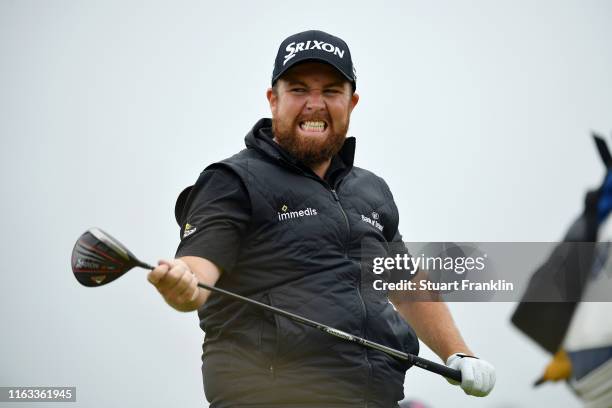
(476,113)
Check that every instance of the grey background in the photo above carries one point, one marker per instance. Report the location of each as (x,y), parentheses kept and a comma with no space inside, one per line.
(477,113)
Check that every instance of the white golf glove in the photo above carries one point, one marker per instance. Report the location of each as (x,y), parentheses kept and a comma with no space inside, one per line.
(477,376)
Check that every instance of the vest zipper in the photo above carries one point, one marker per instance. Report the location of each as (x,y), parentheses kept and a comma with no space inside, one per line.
(348,226)
(363,334)
(272,369)
(363,308)
(272,372)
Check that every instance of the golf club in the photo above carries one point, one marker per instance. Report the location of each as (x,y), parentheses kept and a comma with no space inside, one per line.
(98,259)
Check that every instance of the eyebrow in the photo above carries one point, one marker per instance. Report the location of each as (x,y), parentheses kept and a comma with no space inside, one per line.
(334,84)
(292,81)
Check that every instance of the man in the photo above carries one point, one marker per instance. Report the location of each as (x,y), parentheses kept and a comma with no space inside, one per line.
(282,222)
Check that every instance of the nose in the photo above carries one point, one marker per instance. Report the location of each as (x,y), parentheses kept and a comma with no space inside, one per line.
(315,101)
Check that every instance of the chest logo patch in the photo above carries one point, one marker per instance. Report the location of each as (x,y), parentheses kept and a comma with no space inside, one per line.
(286,214)
(373,221)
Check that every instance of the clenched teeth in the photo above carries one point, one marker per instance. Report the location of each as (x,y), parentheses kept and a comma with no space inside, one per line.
(313,126)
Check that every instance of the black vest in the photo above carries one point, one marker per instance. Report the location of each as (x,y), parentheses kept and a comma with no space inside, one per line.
(302,253)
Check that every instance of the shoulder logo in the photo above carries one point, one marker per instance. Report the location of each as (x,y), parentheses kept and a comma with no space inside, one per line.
(286,214)
(189,229)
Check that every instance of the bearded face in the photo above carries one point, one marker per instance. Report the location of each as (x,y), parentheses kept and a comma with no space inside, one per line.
(311,110)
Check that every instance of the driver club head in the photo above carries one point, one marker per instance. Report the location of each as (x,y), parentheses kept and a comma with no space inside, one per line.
(98,258)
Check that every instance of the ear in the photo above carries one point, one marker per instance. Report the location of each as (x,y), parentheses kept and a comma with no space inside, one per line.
(354,100)
(272,99)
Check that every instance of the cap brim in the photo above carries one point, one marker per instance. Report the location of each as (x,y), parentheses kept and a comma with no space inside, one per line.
(298,60)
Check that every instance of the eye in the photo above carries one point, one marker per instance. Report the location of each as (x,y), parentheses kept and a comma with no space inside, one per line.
(332,91)
(298,90)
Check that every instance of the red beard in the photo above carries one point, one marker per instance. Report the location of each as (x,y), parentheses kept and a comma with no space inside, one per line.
(308,150)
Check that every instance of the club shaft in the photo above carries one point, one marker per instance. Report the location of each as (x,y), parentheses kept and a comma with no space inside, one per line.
(411,358)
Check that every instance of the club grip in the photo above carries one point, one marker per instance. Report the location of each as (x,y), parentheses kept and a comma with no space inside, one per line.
(443,370)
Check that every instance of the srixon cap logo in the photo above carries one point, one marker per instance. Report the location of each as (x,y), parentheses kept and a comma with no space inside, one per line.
(293,48)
